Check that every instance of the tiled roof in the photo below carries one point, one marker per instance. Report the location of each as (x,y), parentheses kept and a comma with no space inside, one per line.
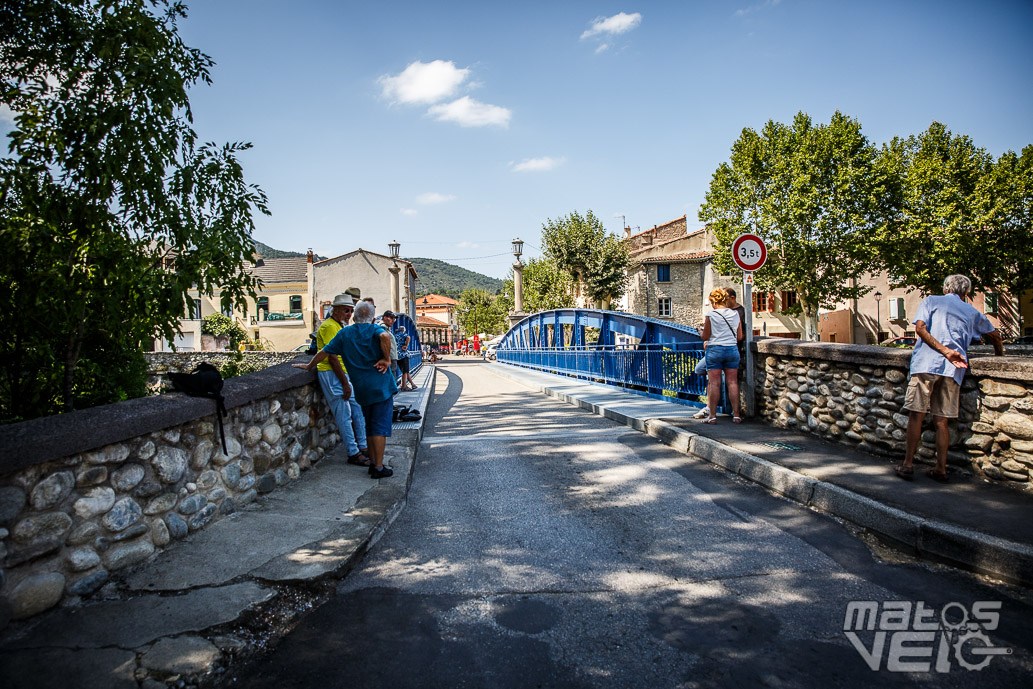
(429,322)
(434,300)
(658,228)
(667,241)
(287,269)
(408,264)
(685,257)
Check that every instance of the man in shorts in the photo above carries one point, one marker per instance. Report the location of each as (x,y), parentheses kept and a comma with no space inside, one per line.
(945,326)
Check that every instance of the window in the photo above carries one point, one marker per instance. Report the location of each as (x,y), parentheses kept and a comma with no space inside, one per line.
(663,272)
(194,309)
(763,301)
(897,312)
(262,304)
(789,299)
(227,310)
(295,303)
(990,304)
(663,307)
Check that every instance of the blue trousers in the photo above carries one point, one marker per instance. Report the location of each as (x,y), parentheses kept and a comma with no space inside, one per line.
(347,413)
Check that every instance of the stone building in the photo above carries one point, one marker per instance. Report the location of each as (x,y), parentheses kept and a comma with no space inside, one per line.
(436,319)
(371,273)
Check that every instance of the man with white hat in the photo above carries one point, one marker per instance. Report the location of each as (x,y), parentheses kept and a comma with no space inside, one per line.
(337,389)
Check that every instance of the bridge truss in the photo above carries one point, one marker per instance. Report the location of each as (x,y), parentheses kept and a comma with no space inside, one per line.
(643,355)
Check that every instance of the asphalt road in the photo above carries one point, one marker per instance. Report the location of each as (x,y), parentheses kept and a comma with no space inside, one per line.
(543,546)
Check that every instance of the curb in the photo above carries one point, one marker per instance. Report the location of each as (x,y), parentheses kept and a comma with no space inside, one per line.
(930,539)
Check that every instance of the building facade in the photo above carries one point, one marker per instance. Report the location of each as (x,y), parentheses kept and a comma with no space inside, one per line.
(371,273)
(436,319)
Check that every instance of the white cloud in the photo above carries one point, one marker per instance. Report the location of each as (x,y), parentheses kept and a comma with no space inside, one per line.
(6,114)
(617,24)
(754,8)
(432,197)
(538,164)
(409,211)
(602,47)
(468,112)
(424,82)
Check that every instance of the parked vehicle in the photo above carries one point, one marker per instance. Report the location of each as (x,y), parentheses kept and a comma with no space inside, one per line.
(902,342)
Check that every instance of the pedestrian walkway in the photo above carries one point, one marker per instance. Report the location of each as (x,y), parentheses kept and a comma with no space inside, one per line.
(176,617)
(971,522)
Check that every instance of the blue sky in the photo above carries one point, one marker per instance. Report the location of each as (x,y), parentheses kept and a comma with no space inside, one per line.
(454,127)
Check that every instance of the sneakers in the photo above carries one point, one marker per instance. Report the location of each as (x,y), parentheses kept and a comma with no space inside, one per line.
(701,414)
(382,472)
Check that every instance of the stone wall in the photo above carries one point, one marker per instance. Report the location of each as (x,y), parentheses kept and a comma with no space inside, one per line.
(86,494)
(854,394)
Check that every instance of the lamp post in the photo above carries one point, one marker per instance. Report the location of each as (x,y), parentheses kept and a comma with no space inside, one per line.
(518,284)
(878,316)
(395,270)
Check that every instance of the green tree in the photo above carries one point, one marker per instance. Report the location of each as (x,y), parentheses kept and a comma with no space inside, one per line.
(109,209)
(545,287)
(958,211)
(816,195)
(596,260)
(217,325)
(480,312)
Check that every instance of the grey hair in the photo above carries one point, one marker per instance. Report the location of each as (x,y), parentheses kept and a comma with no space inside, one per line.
(364,312)
(957,284)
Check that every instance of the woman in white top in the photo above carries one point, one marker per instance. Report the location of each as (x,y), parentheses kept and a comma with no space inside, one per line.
(721,334)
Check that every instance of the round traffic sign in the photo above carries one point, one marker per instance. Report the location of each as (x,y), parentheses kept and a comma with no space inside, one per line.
(749,252)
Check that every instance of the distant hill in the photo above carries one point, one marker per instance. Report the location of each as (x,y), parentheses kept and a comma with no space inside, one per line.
(438,277)
(269,252)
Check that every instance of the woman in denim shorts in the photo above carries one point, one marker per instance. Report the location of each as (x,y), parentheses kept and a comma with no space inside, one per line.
(721,333)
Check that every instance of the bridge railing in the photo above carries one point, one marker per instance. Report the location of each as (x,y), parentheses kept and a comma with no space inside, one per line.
(649,356)
(655,370)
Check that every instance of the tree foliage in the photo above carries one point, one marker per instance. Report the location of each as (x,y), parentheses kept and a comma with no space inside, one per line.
(816,195)
(480,312)
(958,211)
(545,287)
(596,261)
(110,211)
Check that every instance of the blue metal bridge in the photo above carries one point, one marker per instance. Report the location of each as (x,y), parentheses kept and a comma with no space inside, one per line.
(644,355)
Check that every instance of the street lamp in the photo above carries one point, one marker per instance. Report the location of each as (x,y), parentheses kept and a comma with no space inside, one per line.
(878,316)
(394,246)
(518,247)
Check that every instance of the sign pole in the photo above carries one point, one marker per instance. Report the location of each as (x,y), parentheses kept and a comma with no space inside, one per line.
(751,375)
(749,253)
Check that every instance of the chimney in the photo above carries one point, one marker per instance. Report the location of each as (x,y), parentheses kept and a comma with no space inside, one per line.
(627,232)
(309,257)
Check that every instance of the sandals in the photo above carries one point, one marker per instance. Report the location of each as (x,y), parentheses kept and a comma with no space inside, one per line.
(939,477)
(360,459)
(712,420)
(736,419)
(905,472)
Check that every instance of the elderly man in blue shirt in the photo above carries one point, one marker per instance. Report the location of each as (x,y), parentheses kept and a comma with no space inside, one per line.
(945,326)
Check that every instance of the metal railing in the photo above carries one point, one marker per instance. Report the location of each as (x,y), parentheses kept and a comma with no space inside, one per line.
(654,370)
(645,355)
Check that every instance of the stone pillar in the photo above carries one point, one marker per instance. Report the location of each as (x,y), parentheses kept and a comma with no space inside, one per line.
(517,314)
(395,290)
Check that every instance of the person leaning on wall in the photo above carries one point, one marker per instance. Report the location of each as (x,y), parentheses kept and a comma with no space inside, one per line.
(721,334)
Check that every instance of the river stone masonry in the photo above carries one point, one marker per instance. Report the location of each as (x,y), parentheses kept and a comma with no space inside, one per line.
(70,523)
(854,394)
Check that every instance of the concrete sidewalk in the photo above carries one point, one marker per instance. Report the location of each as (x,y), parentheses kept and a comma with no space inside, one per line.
(225,590)
(970,523)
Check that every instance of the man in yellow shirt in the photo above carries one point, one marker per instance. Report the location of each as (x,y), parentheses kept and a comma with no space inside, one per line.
(337,389)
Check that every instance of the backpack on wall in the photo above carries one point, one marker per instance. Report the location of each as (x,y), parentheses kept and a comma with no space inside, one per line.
(205,381)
